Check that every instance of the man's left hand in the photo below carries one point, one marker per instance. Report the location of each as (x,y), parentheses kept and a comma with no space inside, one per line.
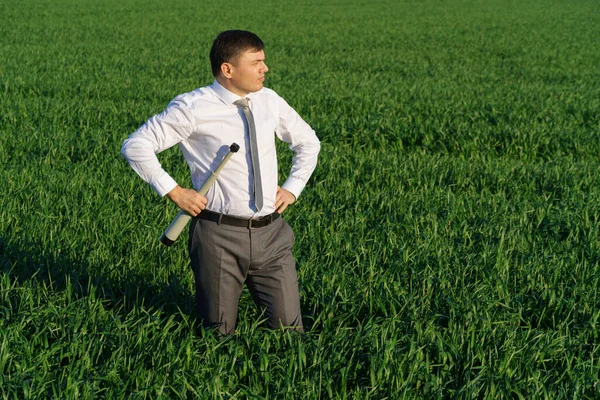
(284,198)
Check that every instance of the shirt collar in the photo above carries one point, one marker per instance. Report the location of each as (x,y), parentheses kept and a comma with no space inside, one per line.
(225,95)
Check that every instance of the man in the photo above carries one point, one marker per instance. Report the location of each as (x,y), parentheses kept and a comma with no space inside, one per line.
(236,235)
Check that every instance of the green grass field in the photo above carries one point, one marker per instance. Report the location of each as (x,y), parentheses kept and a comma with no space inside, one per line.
(447,245)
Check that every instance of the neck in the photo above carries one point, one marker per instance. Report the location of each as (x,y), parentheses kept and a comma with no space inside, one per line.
(226,83)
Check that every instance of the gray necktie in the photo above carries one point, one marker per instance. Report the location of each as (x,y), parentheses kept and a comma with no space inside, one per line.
(258,194)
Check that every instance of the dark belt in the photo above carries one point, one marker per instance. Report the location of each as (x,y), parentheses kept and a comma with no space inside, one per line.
(235,221)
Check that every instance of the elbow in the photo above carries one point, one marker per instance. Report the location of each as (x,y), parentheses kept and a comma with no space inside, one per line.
(125,149)
(316,146)
(134,148)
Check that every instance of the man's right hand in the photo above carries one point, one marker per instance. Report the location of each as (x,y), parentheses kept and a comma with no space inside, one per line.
(188,200)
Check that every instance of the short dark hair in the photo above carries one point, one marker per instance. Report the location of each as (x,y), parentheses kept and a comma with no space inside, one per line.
(228,46)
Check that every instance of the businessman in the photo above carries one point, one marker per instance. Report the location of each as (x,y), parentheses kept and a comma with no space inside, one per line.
(237,236)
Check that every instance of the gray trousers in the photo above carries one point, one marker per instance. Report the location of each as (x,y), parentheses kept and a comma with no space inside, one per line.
(224,257)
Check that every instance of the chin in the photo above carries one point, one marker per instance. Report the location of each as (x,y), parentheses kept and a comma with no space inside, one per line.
(255,89)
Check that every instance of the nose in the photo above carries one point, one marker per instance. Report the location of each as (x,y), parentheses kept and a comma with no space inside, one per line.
(265,68)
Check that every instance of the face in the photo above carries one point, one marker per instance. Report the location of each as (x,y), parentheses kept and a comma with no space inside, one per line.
(247,74)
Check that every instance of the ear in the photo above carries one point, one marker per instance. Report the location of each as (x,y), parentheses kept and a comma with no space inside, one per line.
(226,70)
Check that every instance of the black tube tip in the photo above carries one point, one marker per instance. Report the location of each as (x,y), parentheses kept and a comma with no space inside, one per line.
(166,241)
(234,147)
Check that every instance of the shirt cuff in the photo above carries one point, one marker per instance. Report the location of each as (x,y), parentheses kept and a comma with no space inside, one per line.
(163,185)
(294,186)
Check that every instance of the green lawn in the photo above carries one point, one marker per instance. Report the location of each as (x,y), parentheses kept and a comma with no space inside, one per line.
(447,244)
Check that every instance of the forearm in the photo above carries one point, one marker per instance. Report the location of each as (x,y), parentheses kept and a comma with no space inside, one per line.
(160,132)
(142,159)
(303,142)
(303,165)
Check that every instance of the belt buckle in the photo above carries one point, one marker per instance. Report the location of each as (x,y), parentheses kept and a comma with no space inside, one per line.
(264,220)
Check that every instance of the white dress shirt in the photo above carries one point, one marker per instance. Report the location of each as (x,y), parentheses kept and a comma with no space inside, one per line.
(204,123)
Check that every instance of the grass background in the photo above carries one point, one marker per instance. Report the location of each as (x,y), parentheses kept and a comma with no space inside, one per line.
(447,244)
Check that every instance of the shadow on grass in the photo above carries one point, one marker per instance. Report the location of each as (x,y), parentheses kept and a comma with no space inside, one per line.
(126,289)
